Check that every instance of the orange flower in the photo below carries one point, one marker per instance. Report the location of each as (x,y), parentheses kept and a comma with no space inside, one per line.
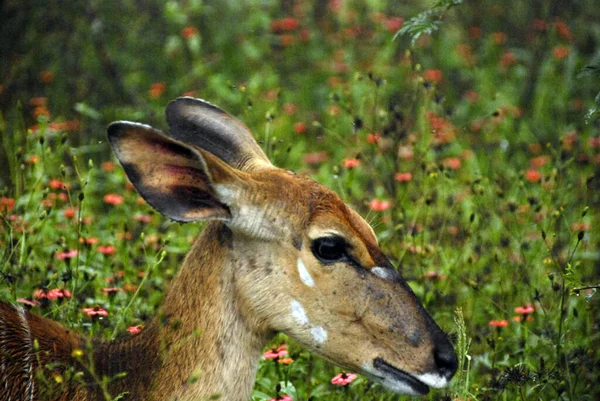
(379,205)
(560,52)
(134,329)
(432,75)
(189,32)
(109,167)
(474,32)
(157,89)
(373,137)
(46,77)
(499,38)
(498,323)
(563,31)
(524,310)
(106,249)
(452,163)
(508,59)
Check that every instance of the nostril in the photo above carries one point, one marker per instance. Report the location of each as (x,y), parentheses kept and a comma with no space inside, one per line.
(445,360)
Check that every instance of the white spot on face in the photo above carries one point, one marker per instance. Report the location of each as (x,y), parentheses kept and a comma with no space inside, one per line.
(433,380)
(319,334)
(388,381)
(298,313)
(304,274)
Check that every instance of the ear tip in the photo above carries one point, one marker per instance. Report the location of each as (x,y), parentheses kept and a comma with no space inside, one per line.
(175,108)
(118,128)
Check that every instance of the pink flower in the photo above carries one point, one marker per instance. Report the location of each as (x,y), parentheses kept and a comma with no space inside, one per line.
(403,177)
(300,128)
(379,205)
(95,312)
(498,323)
(351,163)
(113,199)
(134,329)
(452,163)
(524,310)
(111,290)
(28,302)
(276,353)
(433,75)
(66,255)
(282,398)
(343,379)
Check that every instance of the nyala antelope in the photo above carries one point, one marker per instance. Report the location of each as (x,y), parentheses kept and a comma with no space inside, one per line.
(281,253)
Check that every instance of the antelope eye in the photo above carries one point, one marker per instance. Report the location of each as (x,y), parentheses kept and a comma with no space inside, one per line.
(329,249)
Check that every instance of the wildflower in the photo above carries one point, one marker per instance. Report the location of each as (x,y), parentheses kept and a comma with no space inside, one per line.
(285,24)
(143,218)
(563,31)
(403,177)
(285,361)
(7,204)
(350,163)
(95,312)
(499,38)
(405,152)
(188,32)
(471,96)
(498,323)
(58,184)
(393,24)
(106,249)
(581,226)
(316,157)
(70,212)
(379,205)
(432,75)
(532,175)
(560,52)
(508,59)
(111,290)
(594,142)
(287,40)
(538,25)
(524,310)
(28,302)
(157,89)
(54,294)
(113,199)
(474,32)
(539,161)
(134,329)
(109,167)
(66,254)
(299,128)
(282,398)
(289,108)
(452,163)
(276,353)
(343,379)
(373,137)
(46,77)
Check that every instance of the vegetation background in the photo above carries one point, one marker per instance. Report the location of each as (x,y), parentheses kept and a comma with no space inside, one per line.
(466,132)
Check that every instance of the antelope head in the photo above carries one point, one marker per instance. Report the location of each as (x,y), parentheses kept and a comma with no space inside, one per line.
(304,263)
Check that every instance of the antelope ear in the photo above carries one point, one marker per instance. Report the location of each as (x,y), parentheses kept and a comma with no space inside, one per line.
(197,122)
(175,179)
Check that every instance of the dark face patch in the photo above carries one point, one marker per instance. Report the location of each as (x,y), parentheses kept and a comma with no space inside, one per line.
(297,242)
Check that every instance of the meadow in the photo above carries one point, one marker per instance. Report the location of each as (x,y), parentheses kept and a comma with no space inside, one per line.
(466,133)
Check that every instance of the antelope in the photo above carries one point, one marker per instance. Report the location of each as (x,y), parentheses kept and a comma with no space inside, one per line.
(280,253)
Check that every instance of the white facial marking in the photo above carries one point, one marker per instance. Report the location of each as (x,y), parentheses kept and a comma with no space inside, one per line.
(298,313)
(433,380)
(304,274)
(319,334)
(381,272)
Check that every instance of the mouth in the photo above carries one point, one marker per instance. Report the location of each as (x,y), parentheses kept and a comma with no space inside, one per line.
(396,379)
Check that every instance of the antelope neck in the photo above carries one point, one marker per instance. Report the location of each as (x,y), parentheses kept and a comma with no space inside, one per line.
(205,343)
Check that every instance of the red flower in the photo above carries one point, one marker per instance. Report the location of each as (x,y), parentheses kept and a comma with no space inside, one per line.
(532,175)
(113,199)
(403,177)
(189,32)
(432,75)
(109,167)
(498,323)
(70,212)
(524,310)
(343,379)
(282,398)
(379,205)
(316,157)
(499,38)
(66,254)
(452,163)
(393,24)
(6,204)
(508,59)
(563,31)
(58,184)
(106,249)
(276,353)
(46,77)
(95,312)
(300,128)
(56,293)
(285,24)
(350,163)
(134,329)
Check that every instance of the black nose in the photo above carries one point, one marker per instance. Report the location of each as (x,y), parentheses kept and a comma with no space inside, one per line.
(445,359)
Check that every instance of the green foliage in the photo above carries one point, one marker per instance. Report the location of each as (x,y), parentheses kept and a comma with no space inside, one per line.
(473,160)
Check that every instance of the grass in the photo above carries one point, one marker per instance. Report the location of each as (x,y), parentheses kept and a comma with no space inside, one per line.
(486,203)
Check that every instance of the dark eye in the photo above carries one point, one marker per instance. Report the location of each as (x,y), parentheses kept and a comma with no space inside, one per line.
(329,249)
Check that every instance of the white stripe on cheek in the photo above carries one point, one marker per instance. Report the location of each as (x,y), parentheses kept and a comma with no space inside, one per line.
(304,274)
(319,334)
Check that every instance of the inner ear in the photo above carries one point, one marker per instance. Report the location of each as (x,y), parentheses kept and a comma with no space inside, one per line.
(171,176)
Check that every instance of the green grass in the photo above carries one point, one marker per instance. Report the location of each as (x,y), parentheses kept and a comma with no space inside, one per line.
(501,209)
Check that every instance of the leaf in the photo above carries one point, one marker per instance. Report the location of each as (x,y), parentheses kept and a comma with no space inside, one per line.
(87,110)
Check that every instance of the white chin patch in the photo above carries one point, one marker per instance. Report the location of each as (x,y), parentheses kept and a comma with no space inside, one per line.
(433,380)
(298,313)
(397,386)
(304,274)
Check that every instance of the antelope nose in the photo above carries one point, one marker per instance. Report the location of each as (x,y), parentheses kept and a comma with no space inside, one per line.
(445,360)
